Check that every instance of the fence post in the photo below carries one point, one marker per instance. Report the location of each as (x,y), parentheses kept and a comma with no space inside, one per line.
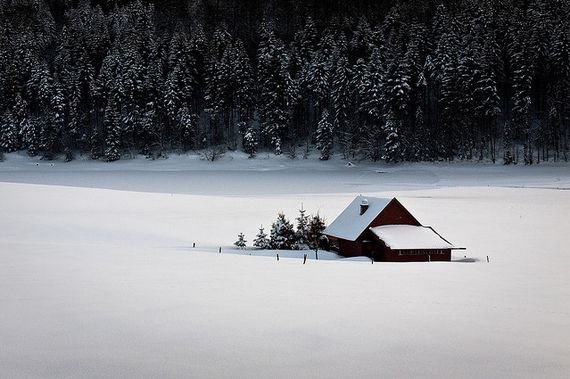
(220,249)
(487,259)
(277,257)
(304,258)
(193,244)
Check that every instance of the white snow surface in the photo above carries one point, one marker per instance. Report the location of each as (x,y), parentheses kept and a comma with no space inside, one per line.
(350,223)
(99,279)
(410,237)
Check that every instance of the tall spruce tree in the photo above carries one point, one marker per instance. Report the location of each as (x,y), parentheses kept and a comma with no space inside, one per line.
(324,136)
(274,81)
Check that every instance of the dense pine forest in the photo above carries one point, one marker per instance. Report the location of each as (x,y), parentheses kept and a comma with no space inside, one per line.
(392,80)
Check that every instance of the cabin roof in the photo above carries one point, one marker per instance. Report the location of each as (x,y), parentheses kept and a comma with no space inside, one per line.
(405,237)
(350,223)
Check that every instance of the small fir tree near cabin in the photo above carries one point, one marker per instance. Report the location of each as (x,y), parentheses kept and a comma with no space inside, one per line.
(302,233)
(315,230)
(240,243)
(261,241)
(282,234)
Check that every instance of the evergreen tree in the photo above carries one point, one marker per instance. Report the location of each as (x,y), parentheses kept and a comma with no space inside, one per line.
(324,136)
(302,232)
(282,234)
(371,106)
(250,142)
(394,151)
(241,242)
(315,230)
(8,133)
(179,87)
(341,100)
(113,132)
(507,145)
(261,241)
(274,82)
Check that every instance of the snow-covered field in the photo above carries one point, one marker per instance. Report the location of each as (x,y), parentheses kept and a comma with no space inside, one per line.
(98,277)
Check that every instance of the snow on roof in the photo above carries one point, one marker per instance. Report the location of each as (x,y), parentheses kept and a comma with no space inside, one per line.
(403,237)
(350,223)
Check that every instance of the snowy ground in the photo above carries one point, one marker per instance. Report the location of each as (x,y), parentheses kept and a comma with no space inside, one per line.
(98,277)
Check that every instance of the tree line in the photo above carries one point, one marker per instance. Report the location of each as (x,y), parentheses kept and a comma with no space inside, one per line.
(399,81)
(285,236)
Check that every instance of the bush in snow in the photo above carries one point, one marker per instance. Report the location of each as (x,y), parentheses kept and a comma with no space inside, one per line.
(261,241)
(240,243)
(282,234)
(213,153)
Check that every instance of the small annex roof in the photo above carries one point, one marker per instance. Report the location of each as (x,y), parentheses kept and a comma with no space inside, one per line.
(350,223)
(406,237)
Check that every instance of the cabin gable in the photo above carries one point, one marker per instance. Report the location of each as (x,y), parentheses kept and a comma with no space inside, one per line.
(394,213)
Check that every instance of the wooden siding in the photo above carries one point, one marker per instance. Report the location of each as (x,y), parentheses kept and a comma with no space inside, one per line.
(416,255)
(394,214)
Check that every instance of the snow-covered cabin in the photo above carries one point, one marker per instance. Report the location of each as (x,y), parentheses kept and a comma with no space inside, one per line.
(385,230)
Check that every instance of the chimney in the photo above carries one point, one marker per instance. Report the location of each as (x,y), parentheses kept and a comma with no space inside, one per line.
(363,206)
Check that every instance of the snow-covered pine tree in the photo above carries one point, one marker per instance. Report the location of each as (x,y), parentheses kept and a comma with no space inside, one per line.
(522,66)
(361,42)
(8,133)
(318,79)
(393,150)
(341,102)
(507,144)
(241,242)
(282,233)
(113,131)
(261,241)
(396,98)
(371,106)
(324,136)
(179,84)
(250,142)
(51,134)
(188,127)
(274,82)
(448,58)
(485,93)
(242,84)
(302,232)
(305,41)
(316,227)
(218,83)
(559,96)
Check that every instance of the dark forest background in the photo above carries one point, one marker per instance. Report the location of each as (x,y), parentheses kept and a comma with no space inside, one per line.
(393,80)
